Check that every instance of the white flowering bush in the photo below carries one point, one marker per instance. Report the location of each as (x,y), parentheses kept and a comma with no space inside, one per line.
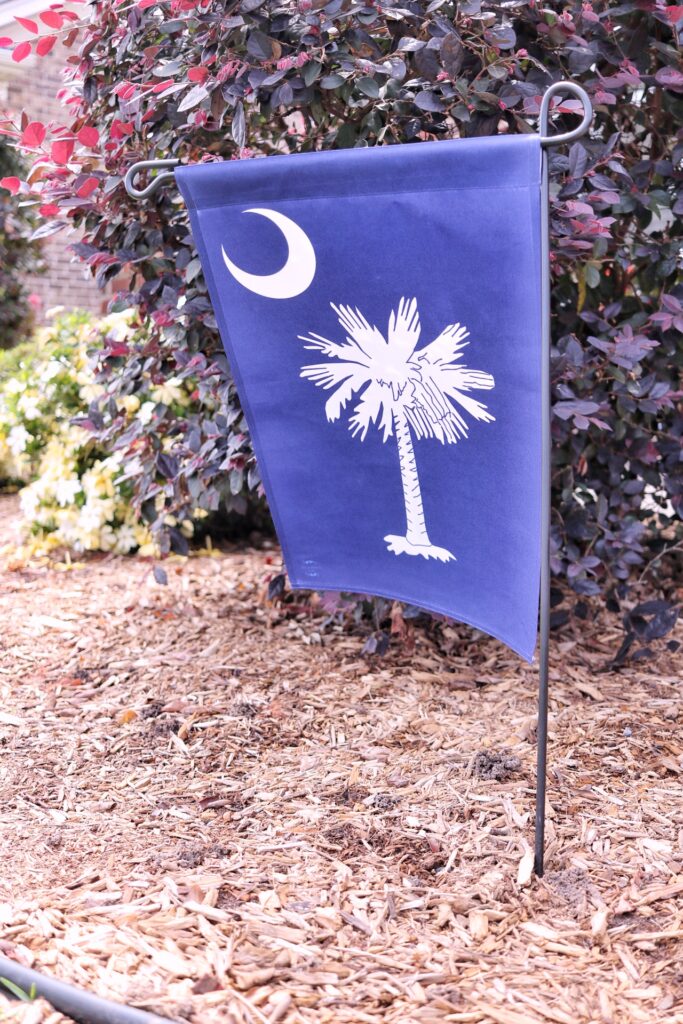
(76,495)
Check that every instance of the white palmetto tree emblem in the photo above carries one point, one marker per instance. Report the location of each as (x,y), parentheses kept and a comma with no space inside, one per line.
(406,392)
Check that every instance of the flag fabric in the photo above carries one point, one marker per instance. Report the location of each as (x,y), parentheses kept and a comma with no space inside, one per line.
(381,311)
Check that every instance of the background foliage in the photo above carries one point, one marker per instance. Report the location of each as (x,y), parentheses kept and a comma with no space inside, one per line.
(18,256)
(218,79)
(78,495)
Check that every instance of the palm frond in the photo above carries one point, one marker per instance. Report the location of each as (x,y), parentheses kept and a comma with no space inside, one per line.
(315,342)
(373,407)
(419,421)
(464,379)
(327,375)
(366,337)
(347,378)
(448,430)
(338,399)
(454,381)
(476,409)
(404,328)
(446,347)
(431,413)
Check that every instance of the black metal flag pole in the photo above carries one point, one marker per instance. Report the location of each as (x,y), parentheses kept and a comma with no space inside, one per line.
(558,88)
(546,448)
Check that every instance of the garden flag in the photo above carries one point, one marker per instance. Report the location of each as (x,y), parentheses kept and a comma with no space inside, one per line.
(381,312)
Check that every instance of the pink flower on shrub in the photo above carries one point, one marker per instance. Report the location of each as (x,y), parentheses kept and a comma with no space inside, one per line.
(162,318)
(228,70)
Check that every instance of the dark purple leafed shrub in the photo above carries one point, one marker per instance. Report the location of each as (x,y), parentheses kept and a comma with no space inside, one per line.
(211,79)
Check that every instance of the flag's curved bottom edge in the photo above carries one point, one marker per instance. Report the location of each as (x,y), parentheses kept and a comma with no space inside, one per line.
(354,588)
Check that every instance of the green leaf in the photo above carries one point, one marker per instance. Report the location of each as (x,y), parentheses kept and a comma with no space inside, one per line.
(592,275)
(169,69)
(17,992)
(260,45)
(368,86)
(346,137)
(238,128)
(426,100)
(192,269)
(193,98)
(452,55)
(311,71)
(236,480)
(410,45)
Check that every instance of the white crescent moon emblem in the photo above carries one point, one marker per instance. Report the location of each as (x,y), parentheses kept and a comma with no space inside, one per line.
(298,271)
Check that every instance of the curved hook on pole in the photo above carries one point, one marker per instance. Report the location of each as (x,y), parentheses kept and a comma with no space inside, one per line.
(155,183)
(575,133)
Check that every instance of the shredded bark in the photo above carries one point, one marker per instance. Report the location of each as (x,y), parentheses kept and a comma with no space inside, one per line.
(220,811)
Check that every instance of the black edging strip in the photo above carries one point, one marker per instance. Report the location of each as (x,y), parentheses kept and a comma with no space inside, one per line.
(81,1006)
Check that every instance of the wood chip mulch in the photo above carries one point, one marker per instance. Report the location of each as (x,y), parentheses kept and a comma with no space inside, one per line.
(222,812)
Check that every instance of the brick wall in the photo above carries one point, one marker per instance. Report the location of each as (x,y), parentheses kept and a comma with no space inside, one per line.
(32,86)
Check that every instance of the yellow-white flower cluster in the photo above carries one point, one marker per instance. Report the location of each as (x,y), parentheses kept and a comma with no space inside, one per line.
(75,496)
(90,512)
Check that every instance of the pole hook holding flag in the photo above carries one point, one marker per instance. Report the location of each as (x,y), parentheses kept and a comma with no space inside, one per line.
(575,133)
(155,183)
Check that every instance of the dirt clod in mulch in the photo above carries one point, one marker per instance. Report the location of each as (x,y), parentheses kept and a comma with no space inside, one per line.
(192,857)
(152,710)
(162,725)
(383,802)
(220,811)
(573,885)
(245,709)
(350,795)
(500,765)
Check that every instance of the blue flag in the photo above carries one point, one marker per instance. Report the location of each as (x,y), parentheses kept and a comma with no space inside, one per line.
(380,309)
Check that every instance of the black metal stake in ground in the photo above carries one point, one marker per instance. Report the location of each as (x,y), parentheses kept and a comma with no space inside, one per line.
(166,166)
(546,482)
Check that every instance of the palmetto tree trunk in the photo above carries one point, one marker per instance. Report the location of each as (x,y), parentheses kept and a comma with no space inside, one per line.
(416,540)
(416,530)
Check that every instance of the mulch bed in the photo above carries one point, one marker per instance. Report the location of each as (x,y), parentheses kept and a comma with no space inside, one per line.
(219,810)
